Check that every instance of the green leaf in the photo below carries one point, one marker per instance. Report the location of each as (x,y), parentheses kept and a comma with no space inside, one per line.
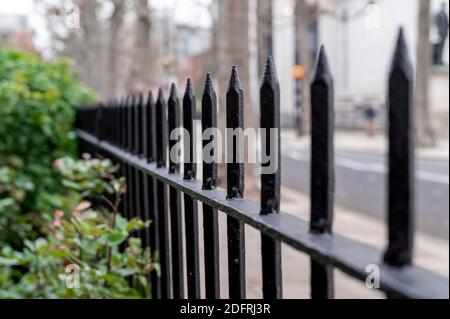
(70,184)
(135,224)
(59,253)
(126,271)
(121,223)
(116,238)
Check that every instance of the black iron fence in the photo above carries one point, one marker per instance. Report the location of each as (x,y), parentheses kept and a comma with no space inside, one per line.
(134,132)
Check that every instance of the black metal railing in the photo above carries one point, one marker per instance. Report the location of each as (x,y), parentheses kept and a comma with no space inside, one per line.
(134,133)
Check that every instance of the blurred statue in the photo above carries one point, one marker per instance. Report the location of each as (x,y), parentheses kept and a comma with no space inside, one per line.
(441,21)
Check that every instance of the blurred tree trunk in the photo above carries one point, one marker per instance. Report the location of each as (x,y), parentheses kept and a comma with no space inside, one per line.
(234,49)
(91,39)
(424,132)
(302,22)
(116,22)
(265,37)
(223,73)
(141,67)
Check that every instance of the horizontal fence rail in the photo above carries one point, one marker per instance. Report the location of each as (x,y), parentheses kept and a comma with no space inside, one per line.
(136,135)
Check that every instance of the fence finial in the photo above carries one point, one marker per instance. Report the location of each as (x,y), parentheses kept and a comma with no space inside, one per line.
(208,84)
(234,79)
(322,69)
(160,95)
(173,115)
(139,125)
(173,91)
(209,121)
(150,118)
(235,146)
(400,195)
(189,90)
(161,126)
(270,73)
(401,60)
(189,106)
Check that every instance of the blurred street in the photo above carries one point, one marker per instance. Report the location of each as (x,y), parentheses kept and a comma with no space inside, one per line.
(360,182)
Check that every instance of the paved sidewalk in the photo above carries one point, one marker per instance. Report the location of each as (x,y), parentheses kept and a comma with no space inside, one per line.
(358,141)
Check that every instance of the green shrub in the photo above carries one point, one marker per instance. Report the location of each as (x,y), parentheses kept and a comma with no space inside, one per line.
(36,127)
(86,235)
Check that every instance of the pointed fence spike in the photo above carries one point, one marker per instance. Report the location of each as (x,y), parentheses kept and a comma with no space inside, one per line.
(235,185)
(152,200)
(130,125)
(161,193)
(209,122)
(190,205)
(210,215)
(270,73)
(173,91)
(235,143)
(234,82)
(322,170)
(138,124)
(321,68)
(400,159)
(173,112)
(401,61)
(161,131)
(270,178)
(189,107)
(150,118)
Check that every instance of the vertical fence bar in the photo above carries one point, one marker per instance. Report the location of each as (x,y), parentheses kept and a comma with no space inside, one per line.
(210,215)
(153,231)
(142,211)
(143,154)
(322,170)
(123,121)
(174,195)
(123,145)
(98,122)
(120,138)
(161,191)
(235,186)
(270,179)
(128,144)
(190,206)
(130,177)
(130,118)
(150,123)
(401,158)
(108,122)
(137,142)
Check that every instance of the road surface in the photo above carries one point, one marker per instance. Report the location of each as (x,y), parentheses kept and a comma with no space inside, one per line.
(361,185)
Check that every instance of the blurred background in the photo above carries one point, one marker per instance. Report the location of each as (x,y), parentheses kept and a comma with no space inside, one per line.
(129,46)
(120,46)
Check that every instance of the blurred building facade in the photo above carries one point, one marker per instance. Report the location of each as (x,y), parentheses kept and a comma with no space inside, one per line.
(15,31)
(359,36)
